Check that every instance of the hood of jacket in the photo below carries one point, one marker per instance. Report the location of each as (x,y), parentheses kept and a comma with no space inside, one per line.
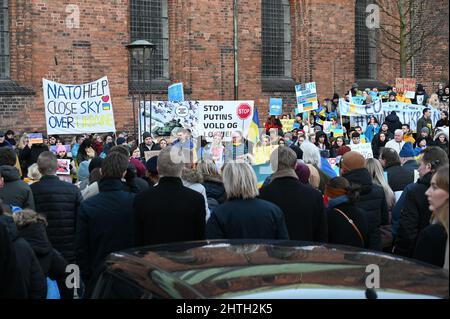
(361,177)
(8,222)
(36,235)
(191,176)
(9,173)
(392,118)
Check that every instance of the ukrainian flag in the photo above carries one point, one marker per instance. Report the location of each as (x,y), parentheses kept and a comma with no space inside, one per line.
(253,130)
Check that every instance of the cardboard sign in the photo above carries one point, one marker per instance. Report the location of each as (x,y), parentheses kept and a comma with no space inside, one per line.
(363,149)
(407,86)
(63,167)
(149,154)
(78,108)
(288,124)
(35,138)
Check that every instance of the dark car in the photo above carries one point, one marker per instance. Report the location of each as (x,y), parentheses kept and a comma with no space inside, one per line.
(269,270)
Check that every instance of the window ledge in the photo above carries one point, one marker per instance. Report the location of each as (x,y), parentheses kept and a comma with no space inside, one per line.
(11,88)
(158,87)
(281,84)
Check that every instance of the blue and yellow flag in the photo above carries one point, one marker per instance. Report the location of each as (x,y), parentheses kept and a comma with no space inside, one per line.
(253,131)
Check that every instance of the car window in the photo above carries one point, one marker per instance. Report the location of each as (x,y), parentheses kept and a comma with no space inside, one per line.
(111,286)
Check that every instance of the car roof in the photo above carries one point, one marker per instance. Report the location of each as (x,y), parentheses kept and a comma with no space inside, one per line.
(273,269)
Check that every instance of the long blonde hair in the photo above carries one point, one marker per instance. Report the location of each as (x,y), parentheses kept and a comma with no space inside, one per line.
(376,170)
(441,214)
(21,144)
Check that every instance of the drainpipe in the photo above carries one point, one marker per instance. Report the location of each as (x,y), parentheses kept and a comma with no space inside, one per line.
(411,18)
(236,64)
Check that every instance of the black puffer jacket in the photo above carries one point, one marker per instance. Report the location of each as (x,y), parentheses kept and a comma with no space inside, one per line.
(36,235)
(399,177)
(393,122)
(35,282)
(414,217)
(11,280)
(373,202)
(15,191)
(59,202)
(28,156)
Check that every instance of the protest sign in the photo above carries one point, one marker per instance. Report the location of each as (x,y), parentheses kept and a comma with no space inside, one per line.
(333,164)
(78,108)
(275,107)
(407,86)
(407,113)
(288,125)
(363,149)
(149,154)
(203,118)
(176,93)
(63,167)
(307,97)
(35,138)
(262,171)
(337,132)
(54,147)
(327,126)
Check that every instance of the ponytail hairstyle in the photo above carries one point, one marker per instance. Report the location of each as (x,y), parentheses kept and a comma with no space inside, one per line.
(340,186)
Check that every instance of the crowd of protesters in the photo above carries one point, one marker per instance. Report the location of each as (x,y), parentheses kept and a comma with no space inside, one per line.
(122,194)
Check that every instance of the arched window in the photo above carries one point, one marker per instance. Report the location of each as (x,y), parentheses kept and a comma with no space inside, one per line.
(4,40)
(149,21)
(276,38)
(365,44)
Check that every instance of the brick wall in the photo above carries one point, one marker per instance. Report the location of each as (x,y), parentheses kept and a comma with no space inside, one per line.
(201,52)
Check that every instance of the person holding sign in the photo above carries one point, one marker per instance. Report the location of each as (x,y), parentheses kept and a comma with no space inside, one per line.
(148,144)
(238,149)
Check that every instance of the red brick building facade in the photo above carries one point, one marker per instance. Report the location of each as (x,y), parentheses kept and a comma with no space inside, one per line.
(47,41)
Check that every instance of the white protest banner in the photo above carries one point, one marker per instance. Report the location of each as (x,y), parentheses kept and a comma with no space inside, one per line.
(363,149)
(407,113)
(203,118)
(306,97)
(225,117)
(78,108)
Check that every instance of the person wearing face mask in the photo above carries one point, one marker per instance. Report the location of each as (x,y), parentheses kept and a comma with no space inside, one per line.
(432,243)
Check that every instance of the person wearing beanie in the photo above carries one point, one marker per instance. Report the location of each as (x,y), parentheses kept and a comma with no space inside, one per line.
(372,199)
(121,141)
(148,144)
(407,157)
(152,177)
(342,150)
(347,224)
(303,173)
(421,97)
(393,121)
(425,121)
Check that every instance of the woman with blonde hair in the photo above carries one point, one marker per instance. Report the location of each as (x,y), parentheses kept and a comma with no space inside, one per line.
(432,243)
(376,170)
(244,216)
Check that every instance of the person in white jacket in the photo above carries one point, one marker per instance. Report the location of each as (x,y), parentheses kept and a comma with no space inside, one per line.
(397,143)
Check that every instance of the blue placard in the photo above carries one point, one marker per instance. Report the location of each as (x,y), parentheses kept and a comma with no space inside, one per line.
(276,106)
(176,93)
